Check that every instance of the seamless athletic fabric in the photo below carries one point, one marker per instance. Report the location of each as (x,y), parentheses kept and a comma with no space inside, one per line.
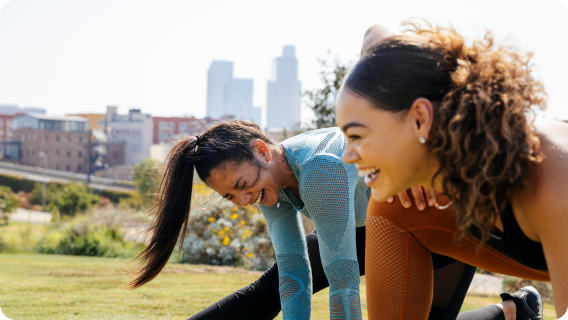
(336,199)
(261,299)
(399,243)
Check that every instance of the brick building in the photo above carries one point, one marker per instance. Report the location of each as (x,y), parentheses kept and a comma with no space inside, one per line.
(167,129)
(58,143)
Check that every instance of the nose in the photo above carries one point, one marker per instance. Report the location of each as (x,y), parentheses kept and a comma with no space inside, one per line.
(349,155)
(243,198)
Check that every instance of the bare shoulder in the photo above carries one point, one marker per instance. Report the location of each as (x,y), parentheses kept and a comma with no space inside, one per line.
(545,198)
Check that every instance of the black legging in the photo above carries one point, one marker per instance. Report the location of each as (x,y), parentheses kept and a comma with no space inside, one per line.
(261,300)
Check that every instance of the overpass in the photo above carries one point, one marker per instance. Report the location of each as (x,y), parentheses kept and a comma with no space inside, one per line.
(49,175)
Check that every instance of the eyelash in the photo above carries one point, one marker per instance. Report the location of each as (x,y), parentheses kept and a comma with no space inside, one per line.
(230,198)
(353,137)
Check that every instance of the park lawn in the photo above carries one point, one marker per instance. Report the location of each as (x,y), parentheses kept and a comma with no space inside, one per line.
(40,286)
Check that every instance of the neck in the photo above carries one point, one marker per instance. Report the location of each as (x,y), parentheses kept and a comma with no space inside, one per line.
(290,181)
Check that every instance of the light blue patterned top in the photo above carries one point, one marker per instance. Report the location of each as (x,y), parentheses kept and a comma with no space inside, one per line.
(336,199)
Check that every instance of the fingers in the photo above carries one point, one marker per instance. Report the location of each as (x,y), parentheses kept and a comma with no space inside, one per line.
(404,199)
(418,195)
(429,197)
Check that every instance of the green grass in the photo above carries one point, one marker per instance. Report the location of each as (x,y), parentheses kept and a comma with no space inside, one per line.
(41,286)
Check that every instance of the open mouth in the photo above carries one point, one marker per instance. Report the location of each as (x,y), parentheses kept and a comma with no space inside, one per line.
(370,174)
(260,197)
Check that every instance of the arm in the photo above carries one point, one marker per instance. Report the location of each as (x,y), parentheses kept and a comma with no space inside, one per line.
(294,272)
(325,192)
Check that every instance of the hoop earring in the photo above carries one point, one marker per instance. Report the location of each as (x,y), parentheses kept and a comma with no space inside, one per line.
(439,207)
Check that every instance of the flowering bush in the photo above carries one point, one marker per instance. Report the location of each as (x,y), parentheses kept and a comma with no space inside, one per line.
(221,233)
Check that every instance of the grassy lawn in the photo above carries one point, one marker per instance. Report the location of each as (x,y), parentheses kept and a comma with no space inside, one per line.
(38,286)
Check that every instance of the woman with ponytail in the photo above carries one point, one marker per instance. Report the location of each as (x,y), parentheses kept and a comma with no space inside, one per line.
(425,108)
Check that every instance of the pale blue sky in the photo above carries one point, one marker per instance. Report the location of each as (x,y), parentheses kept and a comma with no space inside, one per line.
(73,56)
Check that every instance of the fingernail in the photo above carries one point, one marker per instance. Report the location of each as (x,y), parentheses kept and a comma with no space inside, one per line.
(422,206)
(431,202)
(407,204)
(390,200)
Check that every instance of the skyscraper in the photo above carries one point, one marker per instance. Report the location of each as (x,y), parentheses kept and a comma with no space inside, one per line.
(219,75)
(238,98)
(227,96)
(283,96)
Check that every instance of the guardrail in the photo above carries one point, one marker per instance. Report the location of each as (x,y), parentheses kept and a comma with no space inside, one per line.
(66,175)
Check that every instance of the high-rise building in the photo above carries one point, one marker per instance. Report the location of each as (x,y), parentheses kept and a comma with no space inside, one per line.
(228,96)
(219,75)
(134,129)
(283,96)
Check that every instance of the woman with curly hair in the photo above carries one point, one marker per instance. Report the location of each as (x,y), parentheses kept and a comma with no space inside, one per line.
(425,108)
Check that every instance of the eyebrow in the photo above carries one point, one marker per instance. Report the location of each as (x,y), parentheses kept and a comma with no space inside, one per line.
(352,124)
(237,184)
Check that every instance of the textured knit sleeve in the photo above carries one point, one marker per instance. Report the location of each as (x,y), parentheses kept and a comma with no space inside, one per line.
(294,271)
(324,188)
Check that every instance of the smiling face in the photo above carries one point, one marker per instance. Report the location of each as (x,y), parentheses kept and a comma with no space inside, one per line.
(384,145)
(251,182)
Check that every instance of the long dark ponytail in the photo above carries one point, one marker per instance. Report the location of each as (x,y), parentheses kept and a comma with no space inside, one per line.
(226,142)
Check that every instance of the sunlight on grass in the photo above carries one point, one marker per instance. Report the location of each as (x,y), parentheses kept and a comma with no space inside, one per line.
(36,286)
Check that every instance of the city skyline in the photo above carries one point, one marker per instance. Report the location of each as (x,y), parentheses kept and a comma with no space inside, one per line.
(71,57)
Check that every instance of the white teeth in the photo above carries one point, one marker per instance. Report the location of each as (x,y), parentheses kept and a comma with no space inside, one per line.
(365,172)
(259,198)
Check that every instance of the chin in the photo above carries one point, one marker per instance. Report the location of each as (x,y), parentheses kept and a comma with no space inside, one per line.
(379,195)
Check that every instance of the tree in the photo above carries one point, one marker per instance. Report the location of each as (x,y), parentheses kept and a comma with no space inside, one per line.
(73,198)
(8,202)
(322,101)
(147,174)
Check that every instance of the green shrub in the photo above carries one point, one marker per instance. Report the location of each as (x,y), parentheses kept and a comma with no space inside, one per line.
(82,238)
(72,199)
(114,196)
(8,203)
(147,174)
(16,183)
(52,191)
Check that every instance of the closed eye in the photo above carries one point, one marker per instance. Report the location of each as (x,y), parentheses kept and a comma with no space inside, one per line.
(353,137)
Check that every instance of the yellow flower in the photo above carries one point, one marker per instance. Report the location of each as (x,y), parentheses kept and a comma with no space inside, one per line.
(245,248)
(226,228)
(250,255)
(234,216)
(243,222)
(220,233)
(235,208)
(226,241)
(246,233)
(211,219)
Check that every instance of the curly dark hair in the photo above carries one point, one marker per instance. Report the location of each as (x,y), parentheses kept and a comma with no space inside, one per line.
(483,95)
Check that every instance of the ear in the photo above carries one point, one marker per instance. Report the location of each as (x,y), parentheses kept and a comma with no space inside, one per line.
(422,113)
(260,149)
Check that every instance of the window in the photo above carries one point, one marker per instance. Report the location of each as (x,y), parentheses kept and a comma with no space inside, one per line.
(57,138)
(68,139)
(33,152)
(29,137)
(57,152)
(68,168)
(9,123)
(170,125)
(34,137)
(1,122)
(182,126)
(56,167)
(162,125)
(80,155)
(23,137)
(1,132)
(79,168)
(115,154)
(80,139)
(9,133)
(45,137)
(101,122)
(68,155)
